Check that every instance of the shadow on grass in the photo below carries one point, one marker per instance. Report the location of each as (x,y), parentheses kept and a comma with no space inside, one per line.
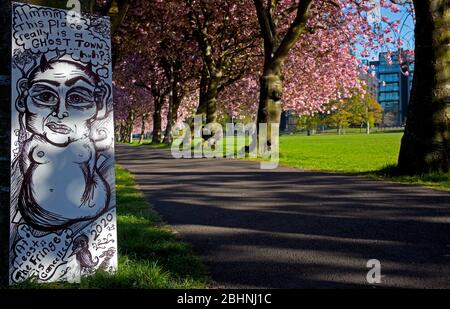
(150,255)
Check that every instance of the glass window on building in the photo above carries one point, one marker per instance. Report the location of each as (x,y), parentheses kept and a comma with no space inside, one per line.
(389,96)
(390,87)
(389,105)
(393,77)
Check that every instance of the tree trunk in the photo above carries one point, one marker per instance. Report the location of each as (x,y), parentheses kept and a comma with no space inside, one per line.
(173,101)
(120,132)
(173,117)
(368,127)
(126,132)
(269,109)
(118,16)
(176,106)
(168,132)
(426,143)
(211,99)
(159,102)
(201,109)
(144,119)
(211,104)
(203,89)
(276,50)
(130,125)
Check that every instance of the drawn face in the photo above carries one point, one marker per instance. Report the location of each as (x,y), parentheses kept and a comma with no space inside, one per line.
(61,103)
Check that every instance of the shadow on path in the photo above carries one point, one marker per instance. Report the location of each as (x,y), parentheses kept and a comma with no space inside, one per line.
(293,229)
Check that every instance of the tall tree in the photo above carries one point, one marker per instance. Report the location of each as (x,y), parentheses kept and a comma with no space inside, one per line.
(276,49)
(226,35)
(319,23)
(426,143)
(364,110)
(133,100)
(161,56)
(341,115)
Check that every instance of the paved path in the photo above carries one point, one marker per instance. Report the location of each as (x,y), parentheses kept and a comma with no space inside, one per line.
(292,229)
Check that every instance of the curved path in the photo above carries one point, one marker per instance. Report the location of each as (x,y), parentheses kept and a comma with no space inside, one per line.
(288,228)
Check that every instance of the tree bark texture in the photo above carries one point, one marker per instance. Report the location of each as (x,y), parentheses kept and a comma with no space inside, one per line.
(425,145)
(276,49)
(159,102)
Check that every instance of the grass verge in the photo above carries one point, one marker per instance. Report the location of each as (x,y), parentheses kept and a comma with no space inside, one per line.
(150,255)
(147,143)
(372,155)
(433,181)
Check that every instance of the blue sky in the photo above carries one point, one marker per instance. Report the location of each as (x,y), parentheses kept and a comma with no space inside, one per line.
(406,27)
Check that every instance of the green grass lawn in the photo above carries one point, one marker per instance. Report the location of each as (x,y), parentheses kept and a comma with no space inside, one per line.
(147,143)
(340,153)
(150,255)
(371,155)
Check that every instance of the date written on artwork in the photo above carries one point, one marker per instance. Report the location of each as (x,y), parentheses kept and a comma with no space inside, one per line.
(226,298)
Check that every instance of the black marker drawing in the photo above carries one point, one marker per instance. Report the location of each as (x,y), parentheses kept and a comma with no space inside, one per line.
(107,255)
(59,100)
(84,257)
(62,154)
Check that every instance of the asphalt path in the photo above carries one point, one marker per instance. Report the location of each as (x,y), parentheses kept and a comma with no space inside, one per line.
(288,228)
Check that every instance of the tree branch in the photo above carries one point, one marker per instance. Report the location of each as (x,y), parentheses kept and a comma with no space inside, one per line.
(294,31)
(264,23)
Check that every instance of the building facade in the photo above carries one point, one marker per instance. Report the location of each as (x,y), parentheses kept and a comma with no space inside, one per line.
(394,82)
(371,82)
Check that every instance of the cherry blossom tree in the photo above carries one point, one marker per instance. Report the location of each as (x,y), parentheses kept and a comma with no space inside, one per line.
(317,38)
(239,101)
(131,102)
(154,81)
(308,47)
(226,35)
(319,70)
(166,60)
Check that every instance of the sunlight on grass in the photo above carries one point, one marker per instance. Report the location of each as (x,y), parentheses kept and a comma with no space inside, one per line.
(340,153)
(147,143)
(355,153)
(370,155)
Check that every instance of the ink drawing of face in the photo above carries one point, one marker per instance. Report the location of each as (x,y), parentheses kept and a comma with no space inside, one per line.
(62,101)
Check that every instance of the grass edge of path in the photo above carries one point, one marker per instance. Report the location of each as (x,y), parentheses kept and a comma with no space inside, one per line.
(440,182)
